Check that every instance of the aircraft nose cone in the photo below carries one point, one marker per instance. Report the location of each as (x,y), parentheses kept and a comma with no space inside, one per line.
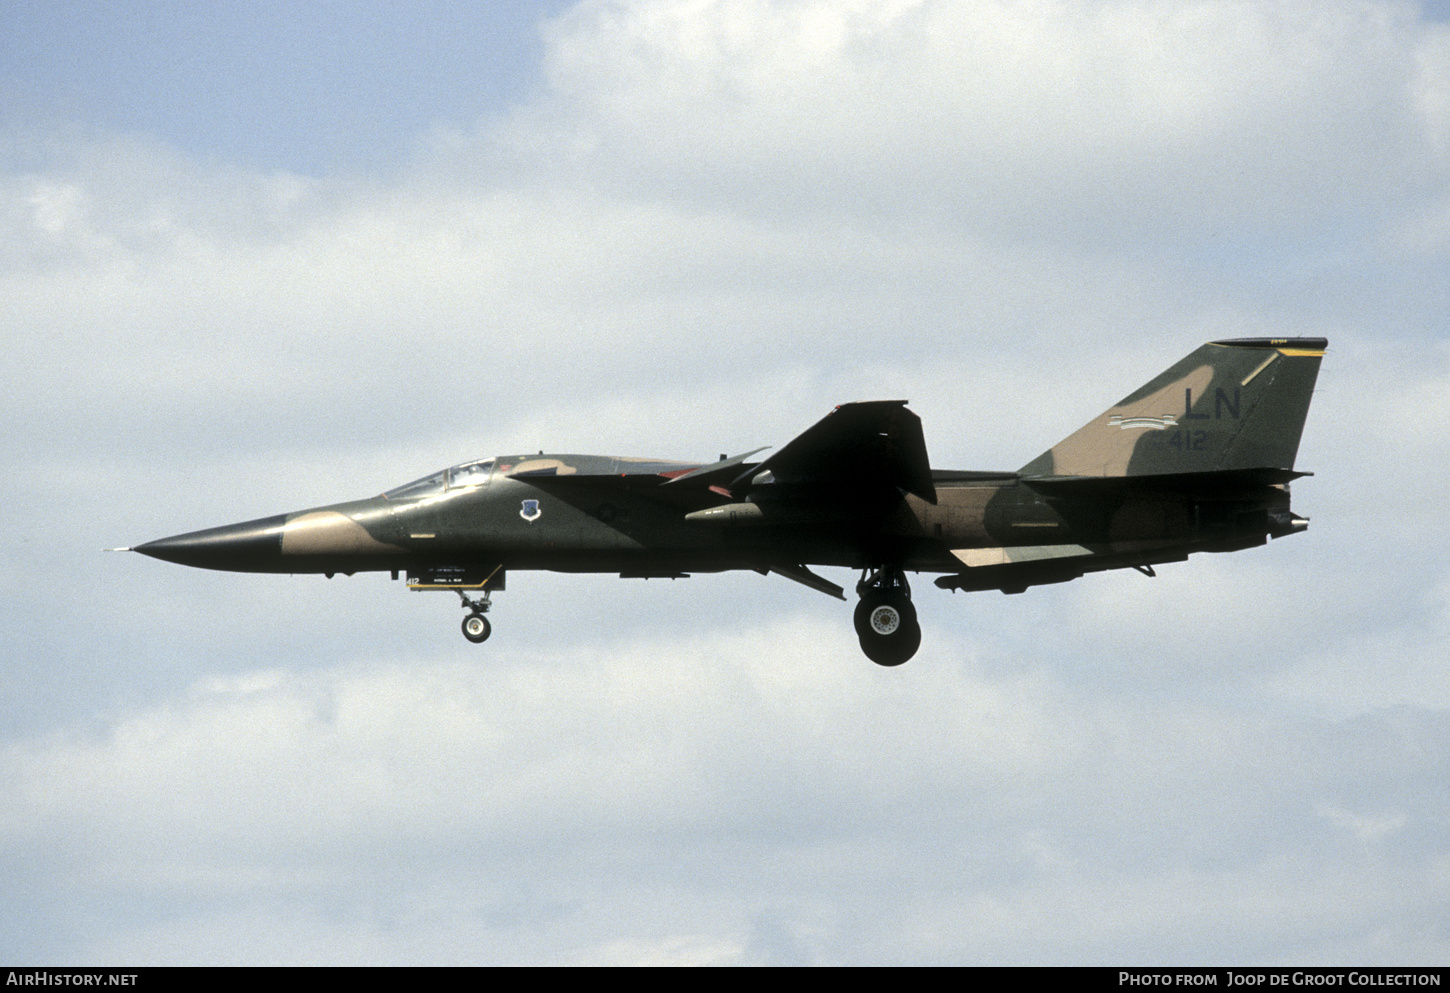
(248,547)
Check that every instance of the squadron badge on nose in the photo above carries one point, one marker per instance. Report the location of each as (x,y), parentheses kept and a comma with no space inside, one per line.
(530,510)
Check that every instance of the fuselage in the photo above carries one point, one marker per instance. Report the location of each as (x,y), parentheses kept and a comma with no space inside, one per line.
(572,513)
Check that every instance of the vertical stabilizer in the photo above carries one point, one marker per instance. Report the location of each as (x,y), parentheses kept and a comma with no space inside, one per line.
(1235,404)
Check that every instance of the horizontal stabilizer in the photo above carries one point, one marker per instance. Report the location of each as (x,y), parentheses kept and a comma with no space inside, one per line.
(1213,482)
(977,558)
(1013,570)
(1014,577)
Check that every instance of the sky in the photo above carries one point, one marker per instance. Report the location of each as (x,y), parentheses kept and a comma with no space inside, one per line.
(258,257)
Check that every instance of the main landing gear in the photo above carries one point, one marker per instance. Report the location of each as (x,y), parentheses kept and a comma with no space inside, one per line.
(475,626)
(885,619)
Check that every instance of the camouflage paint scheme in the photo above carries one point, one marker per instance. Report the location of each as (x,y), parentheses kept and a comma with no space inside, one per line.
(1197,460)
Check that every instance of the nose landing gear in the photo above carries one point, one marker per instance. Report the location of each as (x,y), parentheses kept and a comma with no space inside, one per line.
(475,626)
(886,622)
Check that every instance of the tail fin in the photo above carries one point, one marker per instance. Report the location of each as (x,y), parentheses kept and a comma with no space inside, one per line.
(1235,404)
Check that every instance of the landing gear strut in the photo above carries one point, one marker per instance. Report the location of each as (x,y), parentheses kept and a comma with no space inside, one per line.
(475,626)
(885,619)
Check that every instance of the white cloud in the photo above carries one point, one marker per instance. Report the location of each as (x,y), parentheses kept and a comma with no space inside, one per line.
(666,801)
(1070,119)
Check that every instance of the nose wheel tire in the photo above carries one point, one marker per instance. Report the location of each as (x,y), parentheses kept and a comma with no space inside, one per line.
(887,628)
(476,628)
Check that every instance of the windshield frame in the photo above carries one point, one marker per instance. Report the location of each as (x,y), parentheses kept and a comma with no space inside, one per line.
(470,475)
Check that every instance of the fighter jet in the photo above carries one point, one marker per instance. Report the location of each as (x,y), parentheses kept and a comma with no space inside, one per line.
(1197,460)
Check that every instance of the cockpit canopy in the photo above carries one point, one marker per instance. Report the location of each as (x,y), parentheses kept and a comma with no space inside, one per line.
(468,474)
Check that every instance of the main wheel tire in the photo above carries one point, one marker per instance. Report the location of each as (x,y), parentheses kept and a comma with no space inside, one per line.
(476,628)
(887,629)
